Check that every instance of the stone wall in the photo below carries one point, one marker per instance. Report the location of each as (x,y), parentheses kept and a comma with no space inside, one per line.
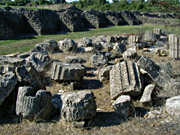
(24,22)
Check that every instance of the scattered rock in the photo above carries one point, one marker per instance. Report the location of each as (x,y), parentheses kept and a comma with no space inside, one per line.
(146,97)
(99,60)
(8,82)
(107,46)
(123,106)
(118,47)
(8,64)
(161,52)
(28,76)
(78,106)
(40,61)
(74,59)
(173,106)
(157,31)
(49,45)
(86,42)
(130,54)
(104,73)
(68,45)
(149,36)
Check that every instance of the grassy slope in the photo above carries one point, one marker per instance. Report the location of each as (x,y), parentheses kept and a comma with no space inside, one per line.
(23,45)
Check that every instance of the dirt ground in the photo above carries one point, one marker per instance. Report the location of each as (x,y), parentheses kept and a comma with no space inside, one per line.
(106,122)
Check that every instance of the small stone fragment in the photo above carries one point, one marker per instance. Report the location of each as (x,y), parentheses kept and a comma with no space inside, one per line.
(123,106)
(146,97)
(130,54)
(173,106)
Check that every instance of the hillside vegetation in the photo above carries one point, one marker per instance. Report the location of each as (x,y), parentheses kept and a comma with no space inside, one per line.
(103,5)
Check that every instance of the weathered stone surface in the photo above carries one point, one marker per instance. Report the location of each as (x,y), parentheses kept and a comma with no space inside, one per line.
(43,21)
(37,49)
(107,46)
(99,39)
(115,18)
(8,64)
(110,39)
(87,49)
(74,59)
(73,18)
(157,74)
(98,46)
(140,45)
(99,60)
(33,105)
(8,82)
(49,45)
(134,39)
(174,46)
(149,36)
(86,42)
(125,78)
(130,18)
(130,54)
(67,72)
(119,47)
(123,106)
(160,43)
(67,45)
(96,18)
(161,52)
(39,60)
(28,76)
(157,31)
(167,67)
(146,97)
(77,106)
(104,73)
(13,24)
(173,106)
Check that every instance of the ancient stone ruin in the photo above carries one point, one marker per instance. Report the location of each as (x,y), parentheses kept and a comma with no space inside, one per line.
(118,62)
(22,22)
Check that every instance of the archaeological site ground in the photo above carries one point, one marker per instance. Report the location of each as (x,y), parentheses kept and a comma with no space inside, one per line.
(88,72)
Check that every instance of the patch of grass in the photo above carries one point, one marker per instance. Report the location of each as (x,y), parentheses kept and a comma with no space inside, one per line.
(26,7)
(26,44)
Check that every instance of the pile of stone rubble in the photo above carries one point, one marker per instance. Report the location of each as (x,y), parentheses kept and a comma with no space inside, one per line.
(22,87)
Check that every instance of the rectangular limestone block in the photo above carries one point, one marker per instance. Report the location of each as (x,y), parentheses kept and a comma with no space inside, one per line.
(67,72)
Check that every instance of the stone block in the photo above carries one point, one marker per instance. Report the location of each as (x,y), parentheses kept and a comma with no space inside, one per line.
(174,46)
(173,106)
(67,72)
(125,78)
(8,82)
(77,106)
(33,105)
(123,106)
(157,74)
